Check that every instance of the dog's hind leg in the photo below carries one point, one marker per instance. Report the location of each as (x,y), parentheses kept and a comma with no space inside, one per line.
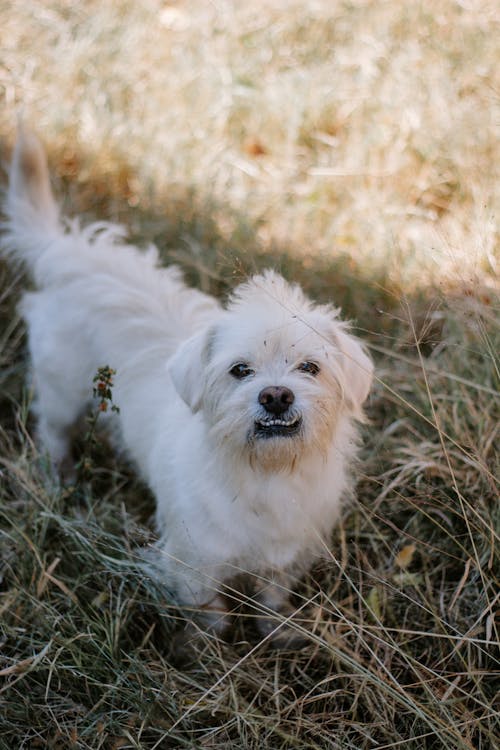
(57,412)
(62,377)
(53,438)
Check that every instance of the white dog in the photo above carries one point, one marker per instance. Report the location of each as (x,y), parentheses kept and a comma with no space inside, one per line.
(241,419)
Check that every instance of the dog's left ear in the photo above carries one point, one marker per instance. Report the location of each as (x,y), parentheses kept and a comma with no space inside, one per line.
(357,369)
(187,368)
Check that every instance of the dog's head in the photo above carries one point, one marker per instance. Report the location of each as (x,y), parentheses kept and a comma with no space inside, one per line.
(274,374)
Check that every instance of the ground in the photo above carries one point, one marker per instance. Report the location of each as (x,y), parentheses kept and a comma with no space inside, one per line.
(354,147)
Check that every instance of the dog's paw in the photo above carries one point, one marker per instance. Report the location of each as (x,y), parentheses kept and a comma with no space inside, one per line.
(281,635)
(185,646)
(190,643)
(209,624)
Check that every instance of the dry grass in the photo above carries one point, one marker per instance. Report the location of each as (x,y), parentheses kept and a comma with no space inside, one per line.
(353,146)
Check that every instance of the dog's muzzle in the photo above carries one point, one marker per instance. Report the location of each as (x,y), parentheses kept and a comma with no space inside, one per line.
(278,419)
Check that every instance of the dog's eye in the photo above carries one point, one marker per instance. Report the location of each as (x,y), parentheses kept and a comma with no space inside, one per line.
(310,367)
(241,370)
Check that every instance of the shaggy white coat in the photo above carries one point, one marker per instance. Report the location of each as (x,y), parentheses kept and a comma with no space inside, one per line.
(228,499)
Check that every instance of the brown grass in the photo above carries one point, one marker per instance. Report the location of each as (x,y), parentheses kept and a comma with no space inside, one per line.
(354,146)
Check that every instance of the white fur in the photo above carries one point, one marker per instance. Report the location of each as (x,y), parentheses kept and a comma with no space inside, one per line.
(227,501)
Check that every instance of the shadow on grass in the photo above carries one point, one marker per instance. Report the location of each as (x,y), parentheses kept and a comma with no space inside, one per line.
(215,245)
(69,581)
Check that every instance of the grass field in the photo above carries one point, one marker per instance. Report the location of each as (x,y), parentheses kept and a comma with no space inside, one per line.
(354,146)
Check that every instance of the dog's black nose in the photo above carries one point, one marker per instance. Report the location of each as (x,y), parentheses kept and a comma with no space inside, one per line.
(276,399)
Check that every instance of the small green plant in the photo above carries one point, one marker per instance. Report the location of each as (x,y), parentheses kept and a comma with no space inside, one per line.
(102,391)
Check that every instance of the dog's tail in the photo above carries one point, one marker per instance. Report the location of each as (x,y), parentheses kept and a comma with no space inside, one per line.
(32,215)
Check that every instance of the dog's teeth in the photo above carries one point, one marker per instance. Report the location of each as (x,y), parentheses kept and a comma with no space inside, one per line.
(277,422)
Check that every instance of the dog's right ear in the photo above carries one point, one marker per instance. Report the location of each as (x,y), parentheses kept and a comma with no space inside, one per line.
(187,368)
(357,368)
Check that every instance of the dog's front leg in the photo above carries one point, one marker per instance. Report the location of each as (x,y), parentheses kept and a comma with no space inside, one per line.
(276,617)
(198,592)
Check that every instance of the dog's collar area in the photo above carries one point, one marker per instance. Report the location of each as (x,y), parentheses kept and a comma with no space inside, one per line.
(277,426)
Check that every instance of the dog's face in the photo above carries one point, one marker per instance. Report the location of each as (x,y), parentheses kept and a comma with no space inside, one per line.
(273,375)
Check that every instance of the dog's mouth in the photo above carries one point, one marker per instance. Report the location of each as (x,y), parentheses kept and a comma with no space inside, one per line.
(277,426)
